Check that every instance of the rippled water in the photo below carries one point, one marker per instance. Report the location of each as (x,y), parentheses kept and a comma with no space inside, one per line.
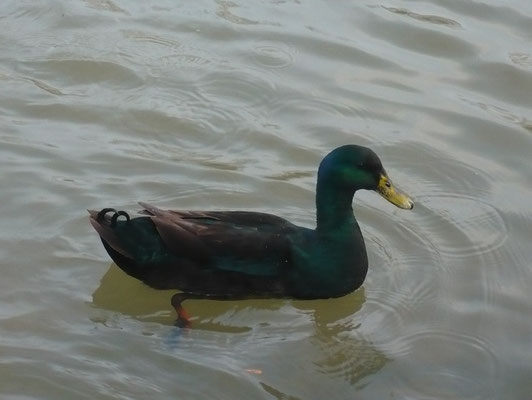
(231,105)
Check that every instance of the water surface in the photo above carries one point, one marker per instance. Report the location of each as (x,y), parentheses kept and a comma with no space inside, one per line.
(231,105)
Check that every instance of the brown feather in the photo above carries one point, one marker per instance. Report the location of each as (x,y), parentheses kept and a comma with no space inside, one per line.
(180,241)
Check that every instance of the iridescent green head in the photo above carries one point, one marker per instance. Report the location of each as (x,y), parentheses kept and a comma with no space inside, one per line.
(350,168)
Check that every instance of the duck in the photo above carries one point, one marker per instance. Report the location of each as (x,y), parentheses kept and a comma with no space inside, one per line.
(234,255)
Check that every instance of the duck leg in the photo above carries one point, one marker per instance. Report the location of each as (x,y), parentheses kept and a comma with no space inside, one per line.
(183,319)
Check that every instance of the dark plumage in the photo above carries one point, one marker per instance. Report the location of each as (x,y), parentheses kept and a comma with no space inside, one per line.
(237,254)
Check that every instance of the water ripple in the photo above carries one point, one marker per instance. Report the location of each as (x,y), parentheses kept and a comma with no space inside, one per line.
(273,55)
(224,11)
(399,33)
(44,86)
(433,19)
(448,364)
(349,359)
(477,226)
(142,36)
(521,59)
(248,89)
(106,5)
(86,71)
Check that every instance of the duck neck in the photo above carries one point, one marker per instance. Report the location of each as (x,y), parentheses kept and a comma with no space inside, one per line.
(333,207)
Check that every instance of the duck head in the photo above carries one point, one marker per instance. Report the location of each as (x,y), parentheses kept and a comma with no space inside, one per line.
(351,167)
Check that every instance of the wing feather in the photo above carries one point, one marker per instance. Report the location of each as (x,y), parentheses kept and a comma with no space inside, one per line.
(237,241)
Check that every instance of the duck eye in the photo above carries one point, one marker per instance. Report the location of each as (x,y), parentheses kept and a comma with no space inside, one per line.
(388,184)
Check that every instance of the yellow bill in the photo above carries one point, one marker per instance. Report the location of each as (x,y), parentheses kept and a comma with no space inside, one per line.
(386,189)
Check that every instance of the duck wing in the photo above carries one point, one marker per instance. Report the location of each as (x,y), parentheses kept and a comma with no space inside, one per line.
(254,220)
(249,243)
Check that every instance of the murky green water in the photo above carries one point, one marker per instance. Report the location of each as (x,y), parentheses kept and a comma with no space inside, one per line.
(231,105)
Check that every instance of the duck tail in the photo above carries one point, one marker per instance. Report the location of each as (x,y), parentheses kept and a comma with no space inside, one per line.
(105,226)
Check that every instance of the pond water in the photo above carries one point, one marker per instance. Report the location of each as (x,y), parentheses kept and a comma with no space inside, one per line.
(217,104)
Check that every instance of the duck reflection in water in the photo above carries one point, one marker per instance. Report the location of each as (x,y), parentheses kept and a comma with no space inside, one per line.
(335,347)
